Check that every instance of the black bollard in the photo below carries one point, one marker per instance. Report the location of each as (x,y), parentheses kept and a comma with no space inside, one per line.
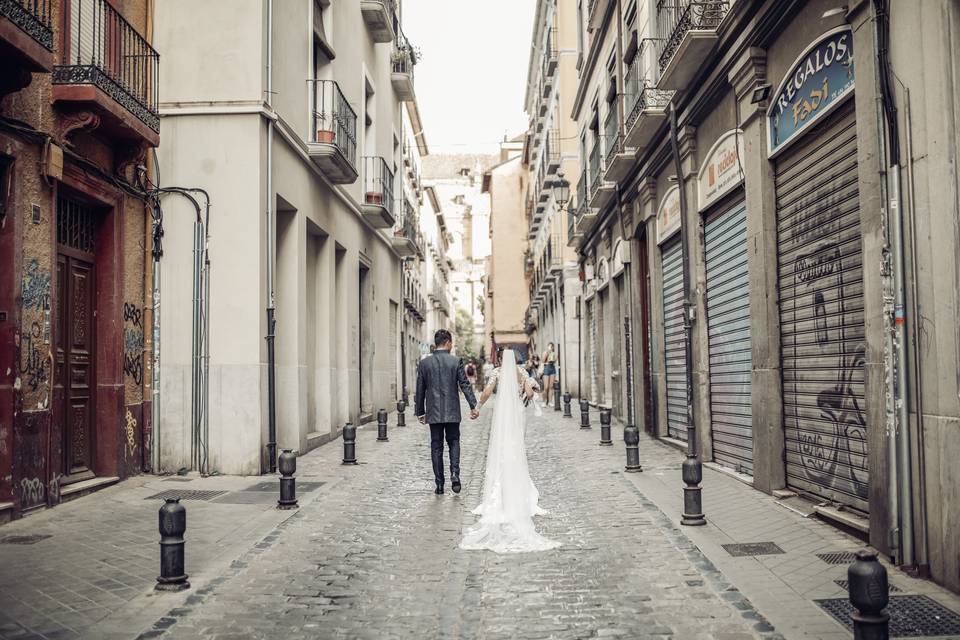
(869,594)
(288,487)
(382,426)
(566,405)
(401,417)
(349,444)
(584,414)
(631,436)
(605,440)
(692,472)
(556,395)
(173,524)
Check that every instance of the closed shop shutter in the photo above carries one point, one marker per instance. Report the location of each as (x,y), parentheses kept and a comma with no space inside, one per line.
(821,313)
(674,352)
(728,326)
(592,319)
(603,358)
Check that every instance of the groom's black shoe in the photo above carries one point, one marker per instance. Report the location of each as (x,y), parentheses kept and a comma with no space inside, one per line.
(455,484)
(439,489)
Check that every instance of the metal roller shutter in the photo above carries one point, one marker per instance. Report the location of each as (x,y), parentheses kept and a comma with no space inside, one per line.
(728,327)
(821,313)
(676,371)
(592,315)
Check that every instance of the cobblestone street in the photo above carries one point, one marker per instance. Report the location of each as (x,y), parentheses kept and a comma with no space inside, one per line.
(373,554)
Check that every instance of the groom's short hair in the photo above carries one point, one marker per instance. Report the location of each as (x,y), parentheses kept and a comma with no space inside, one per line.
(442,337)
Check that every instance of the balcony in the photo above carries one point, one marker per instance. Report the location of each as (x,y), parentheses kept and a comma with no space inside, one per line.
(380,16)
(550,58)
(413,297)
(109,68)
(551,151)
(596,12)
(406,234)
(378,201)
(403,58)
(687,30)
(333,144)
(648,110)
(26,41)
(618,158)
(600,191)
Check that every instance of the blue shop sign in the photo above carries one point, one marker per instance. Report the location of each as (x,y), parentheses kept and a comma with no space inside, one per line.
(817,82)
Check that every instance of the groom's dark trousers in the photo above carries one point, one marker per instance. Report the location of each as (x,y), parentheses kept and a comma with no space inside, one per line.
(452,431)
(440,381)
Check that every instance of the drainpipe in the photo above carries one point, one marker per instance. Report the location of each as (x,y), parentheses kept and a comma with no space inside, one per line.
(900,462)
(271,250)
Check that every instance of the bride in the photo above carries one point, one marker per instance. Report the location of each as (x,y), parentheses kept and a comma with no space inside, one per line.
(509,495)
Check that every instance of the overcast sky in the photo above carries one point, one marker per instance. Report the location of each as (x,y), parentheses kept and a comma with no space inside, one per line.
(471,79)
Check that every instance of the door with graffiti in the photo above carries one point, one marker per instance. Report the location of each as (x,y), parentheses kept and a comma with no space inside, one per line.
(75,352)
(822,314)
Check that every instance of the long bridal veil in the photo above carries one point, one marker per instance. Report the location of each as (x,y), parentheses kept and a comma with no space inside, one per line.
(509,495)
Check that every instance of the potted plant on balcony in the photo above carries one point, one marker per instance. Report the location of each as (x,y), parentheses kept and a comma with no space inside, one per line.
(374,197)
(324,134)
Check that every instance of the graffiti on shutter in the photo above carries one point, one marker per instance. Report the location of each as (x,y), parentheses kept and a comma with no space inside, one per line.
(728,328)
(821,313)
(673,339)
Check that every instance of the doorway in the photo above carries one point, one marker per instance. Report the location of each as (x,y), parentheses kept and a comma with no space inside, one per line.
(75,381)
(365,346)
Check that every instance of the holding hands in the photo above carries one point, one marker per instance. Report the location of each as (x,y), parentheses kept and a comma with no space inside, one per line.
(475,413)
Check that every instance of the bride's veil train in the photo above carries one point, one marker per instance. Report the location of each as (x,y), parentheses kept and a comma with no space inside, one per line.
(509,495)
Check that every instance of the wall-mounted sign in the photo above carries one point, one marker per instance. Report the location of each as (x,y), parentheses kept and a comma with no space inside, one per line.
(668,214)
(721,172)
(816,83)
(603,272)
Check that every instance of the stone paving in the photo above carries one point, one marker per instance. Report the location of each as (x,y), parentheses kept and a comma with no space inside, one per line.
(373,553)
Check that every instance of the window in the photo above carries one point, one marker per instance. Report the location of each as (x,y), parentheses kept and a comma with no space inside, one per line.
(630,32)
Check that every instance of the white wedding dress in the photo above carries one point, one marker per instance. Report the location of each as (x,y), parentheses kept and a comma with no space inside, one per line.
(509,495)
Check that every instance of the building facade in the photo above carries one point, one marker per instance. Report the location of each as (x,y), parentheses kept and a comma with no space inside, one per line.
(293,125)
(77,119)
(551,149)
(766,182)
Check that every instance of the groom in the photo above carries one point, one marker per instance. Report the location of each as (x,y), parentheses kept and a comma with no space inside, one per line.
(438,403)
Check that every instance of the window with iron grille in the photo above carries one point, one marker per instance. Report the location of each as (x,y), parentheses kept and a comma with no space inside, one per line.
(76,225)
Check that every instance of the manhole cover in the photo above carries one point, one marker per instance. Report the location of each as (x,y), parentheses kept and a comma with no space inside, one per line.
(910,616)
(838,557)
(274,486)
(752,549)
(32,539)
(843,585)
(186,494)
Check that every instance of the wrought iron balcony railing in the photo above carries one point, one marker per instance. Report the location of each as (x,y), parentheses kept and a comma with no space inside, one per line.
(102,49)
(377,183)
(676,17)
(334,120)
(551,151)
(611,132)
(404,57)
(33,17)
(550,53)
(649,97)
(582,195)
(594,164)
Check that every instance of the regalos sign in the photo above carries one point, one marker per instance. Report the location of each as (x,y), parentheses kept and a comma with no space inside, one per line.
(817,82)
(721,171)
(668,214)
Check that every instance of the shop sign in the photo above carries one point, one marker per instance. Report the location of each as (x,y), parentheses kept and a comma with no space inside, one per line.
(668,215)
(722,171)
(817,82)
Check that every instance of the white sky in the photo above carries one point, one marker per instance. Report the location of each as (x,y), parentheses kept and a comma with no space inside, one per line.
(470,81)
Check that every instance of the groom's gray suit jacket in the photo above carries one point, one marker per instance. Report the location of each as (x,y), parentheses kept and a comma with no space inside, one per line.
(438,377)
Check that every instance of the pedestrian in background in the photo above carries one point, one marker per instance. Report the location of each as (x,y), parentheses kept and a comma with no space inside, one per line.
(549,372)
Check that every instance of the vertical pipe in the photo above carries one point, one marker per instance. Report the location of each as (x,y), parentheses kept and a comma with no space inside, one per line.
(271,248)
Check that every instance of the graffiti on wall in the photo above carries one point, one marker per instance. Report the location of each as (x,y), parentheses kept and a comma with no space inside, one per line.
(35,288)
(133,342)
(31,492)
(131,433)
(34,360)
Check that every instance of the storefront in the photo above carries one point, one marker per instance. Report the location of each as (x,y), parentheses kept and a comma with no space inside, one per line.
(671,264)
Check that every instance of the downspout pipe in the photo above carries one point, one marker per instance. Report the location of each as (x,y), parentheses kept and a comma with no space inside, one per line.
(271,257)
(901,462)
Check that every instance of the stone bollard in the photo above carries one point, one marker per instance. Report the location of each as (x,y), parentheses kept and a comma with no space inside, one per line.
(566,405)
(349,444)
(288,488)
(173,524)
(584,414)
(692,472)
(401,417)
(382,426)
(556,395)
(869,594)
(605,440)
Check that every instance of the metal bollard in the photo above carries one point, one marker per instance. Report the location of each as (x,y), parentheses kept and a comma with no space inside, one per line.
(692,472)
(349,444)
(382,426)
(631,436)
(566,405)
(288,487)
(173,524)
(401,416)
(584,414)
(869,594)
(605,440)
(556,395)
